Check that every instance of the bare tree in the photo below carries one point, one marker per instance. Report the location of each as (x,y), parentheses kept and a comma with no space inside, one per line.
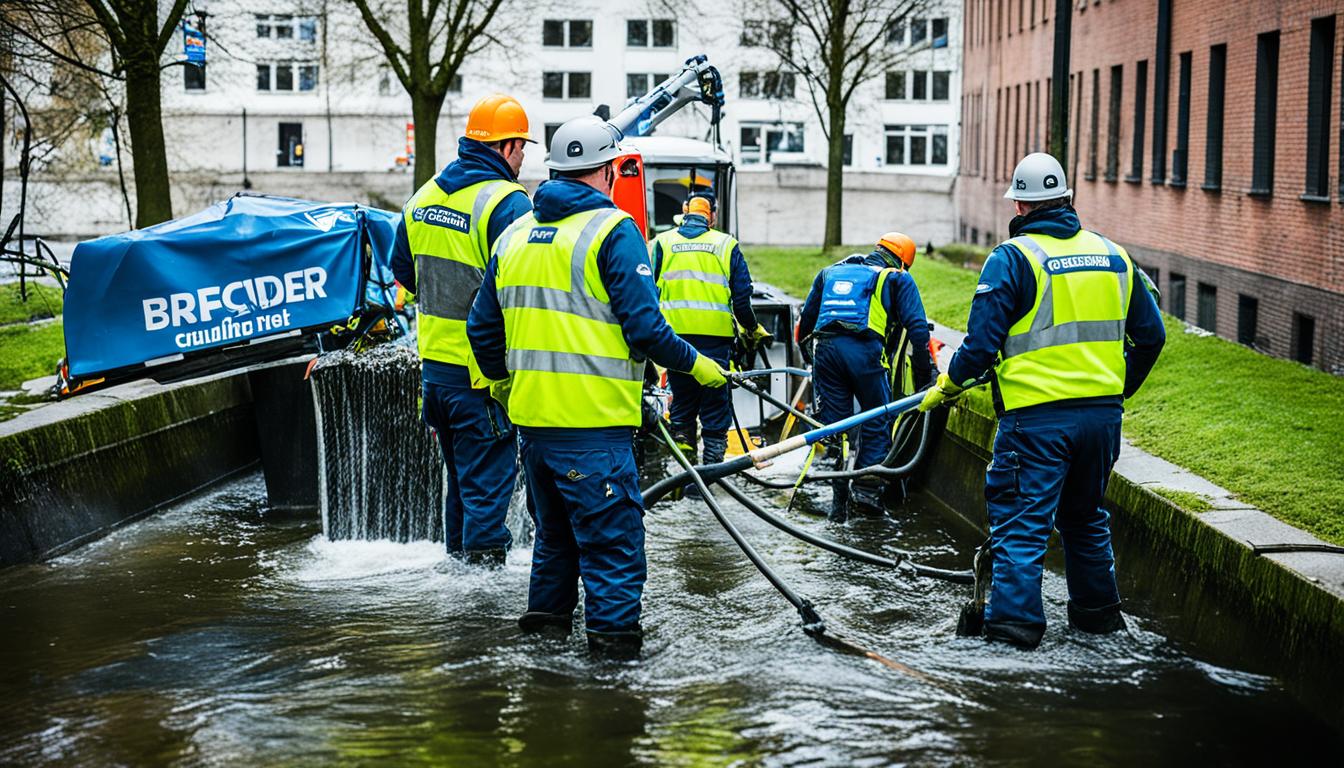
(138,40)
(438,35)
(835,46)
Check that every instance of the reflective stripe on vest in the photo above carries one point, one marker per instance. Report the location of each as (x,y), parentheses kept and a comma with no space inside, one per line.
(1071,344)
(448,234)
(694,288)
(566,351)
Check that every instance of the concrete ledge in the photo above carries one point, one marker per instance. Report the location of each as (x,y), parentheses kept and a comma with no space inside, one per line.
(74,470)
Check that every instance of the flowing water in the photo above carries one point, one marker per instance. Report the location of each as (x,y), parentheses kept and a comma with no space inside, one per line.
(218,633)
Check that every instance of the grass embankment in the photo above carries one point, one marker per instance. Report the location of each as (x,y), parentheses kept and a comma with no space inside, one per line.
(29,348)
(1268,430)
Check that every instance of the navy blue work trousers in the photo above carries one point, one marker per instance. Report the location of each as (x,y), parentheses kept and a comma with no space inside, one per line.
(1050,468)
(480,450)
(584,494)
(846,368)
(712,406)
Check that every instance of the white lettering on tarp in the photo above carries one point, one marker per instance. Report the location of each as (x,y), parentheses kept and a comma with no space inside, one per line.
(229,329)
(262,292)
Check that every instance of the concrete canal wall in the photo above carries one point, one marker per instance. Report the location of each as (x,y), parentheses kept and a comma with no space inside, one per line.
(72,471)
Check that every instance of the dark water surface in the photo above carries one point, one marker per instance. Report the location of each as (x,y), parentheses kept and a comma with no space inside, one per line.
(218,633)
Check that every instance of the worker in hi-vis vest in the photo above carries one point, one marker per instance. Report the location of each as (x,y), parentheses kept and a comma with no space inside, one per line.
(703,286)
(858,311)
(1065,320)
(442,242)
(567,314)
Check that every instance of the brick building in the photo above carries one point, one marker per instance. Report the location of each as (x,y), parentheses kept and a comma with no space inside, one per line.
(1205,136)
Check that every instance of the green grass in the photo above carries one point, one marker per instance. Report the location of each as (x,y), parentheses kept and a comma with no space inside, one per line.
(29,351)
(43,301)
(1268,430)
(1187,500)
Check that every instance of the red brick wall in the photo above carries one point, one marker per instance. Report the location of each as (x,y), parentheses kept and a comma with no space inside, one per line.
(1287,252)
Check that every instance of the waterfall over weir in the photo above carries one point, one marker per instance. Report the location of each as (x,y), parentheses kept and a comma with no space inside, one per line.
(380,475)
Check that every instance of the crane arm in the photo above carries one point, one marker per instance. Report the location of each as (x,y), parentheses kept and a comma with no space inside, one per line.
(698,81)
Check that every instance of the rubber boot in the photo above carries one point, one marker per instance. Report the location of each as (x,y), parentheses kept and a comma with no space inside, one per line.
(971,622)
(490,558)
(616,645)
(1096,621)
(684,437)
(1020,635)
(839,502)
(866,495)
(716,445)
(540,621)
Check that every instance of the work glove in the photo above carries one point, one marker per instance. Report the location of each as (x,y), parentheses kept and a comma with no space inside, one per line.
(651,412)
(760,337)
(500,391)
(944,391)
(708,372)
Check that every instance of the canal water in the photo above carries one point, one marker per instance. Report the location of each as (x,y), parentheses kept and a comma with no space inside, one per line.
(217,633)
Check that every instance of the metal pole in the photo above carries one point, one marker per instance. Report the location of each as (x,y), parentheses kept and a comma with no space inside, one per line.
(1059,91)
(247,183)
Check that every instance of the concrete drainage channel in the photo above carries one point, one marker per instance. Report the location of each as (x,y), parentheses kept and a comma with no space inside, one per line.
(74,471)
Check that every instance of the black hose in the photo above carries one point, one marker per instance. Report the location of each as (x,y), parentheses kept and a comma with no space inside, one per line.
(812,622)
(751,387)
(902,559)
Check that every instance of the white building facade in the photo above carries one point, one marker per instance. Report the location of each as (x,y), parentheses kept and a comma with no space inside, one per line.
(297,99)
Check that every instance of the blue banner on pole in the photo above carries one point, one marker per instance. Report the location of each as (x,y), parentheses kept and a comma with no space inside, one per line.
(244,269)
(193,44)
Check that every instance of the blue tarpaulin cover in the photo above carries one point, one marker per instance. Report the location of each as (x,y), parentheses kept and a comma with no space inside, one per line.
(247,268)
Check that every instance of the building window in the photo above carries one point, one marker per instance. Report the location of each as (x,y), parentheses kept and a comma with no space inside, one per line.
(1266,112)
(193,77)
(566,85)
(1213,141)
(646,33)
(287,27)
(307,77)
(895,85)
(1140,108)
(1248,319)
(1319,94)
(1091,174)
(941,85)
(455,85)
(916,144)
(1206,312)
(1113,124)
(919,85)
(284,77)
(919,31)
(1304,337)
(848,150)
(550,130)
(758,33)
(1178,295)
(385,81)
(766,85)
(567,33)
(281,76)
(263,77)
(1180,155)
(896,33)
(939,32)
(638,84)
(760,141)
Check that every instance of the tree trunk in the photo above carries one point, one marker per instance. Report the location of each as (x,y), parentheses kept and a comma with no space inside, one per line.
(835,178)
(425,112)
(144,118)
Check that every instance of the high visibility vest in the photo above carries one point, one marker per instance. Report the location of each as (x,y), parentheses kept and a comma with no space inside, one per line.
(851,295)
(566,351)
(1072,342)
(694,289)
(448,240)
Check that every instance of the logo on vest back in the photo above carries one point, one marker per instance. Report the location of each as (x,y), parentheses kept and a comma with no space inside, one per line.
(842,287)
(443,216)
(685,247)
(541,235)
(1064,264)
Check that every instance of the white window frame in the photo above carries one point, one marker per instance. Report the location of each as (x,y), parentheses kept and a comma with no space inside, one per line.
(294,23)
(567,89)
(296,68)
(567,28)
(761,153)
(907,132)
(648,34)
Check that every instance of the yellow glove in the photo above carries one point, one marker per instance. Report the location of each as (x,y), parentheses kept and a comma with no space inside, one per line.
(708,372)
(760,337)
(942,392)
(500,391)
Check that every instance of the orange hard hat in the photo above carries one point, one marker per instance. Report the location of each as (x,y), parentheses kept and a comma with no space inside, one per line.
(497,117)
(900,246)
(699,206)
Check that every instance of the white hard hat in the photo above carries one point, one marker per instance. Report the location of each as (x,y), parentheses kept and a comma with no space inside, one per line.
(584,142)
(1038,177)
